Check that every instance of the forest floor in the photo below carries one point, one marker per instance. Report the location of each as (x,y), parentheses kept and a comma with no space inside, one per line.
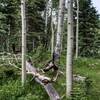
(11,89)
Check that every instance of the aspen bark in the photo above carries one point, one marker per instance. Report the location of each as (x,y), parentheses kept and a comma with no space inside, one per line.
(52,39)
(23,41)
(46,16)
(52,30)
(77,28)
(69,56)
(59,28)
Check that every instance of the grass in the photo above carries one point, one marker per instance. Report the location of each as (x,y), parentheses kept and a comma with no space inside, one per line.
(90,68)
(10,85)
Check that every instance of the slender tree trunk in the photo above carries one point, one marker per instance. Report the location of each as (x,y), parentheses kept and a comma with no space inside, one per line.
(69,56)
(52,39)
(77,28)
(46,17)
(52,30)
(59,28)
(23,41)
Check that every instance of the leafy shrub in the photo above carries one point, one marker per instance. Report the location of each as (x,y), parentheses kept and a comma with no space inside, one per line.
(12,90)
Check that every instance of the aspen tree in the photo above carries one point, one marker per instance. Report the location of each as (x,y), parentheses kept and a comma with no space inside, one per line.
(69,56)
(77,28)
(46,16)
(23,41)
(59,28)
(52,29)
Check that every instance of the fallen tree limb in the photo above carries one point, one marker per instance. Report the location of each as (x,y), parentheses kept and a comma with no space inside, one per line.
(44,81)
(79,78)
(41,79)
(14,65)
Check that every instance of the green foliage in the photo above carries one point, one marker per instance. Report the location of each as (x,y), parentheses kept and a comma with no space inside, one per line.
(90,69)
(35,20)
(10,24)
(10,86)
(7,73)
(13,90)
(82,90)
(40,56)
(88,25)
(10,83)
(55,3)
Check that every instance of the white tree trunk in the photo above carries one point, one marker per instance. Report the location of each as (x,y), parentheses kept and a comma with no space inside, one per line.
(52,30)
(59,28)
(52,38)
(23,41)
(77,28)
(46,16)
(69,56)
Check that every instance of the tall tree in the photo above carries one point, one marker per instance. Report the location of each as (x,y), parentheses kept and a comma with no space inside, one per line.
(35,23)
(59,29)
(52,29)
(77,28)
(46,16)
(69,56)
(23,41)
(88,22)
(10,22)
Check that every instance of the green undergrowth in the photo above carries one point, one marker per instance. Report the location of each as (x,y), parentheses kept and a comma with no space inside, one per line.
(90,68)
(11,89)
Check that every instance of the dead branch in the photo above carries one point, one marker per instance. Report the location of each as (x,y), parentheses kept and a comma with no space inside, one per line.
(44,81)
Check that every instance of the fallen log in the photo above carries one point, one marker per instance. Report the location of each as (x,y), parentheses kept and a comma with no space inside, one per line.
(79,78)
(44,81)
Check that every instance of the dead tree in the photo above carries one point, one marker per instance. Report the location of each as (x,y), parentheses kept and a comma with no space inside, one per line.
(43,80)
(57,49)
